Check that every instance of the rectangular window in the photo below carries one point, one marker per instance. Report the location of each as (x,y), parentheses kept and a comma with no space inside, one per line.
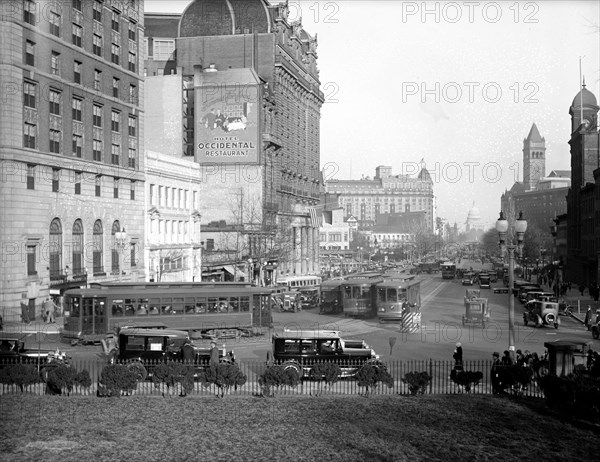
(132,94)
(131,65)
(132,29)
(29,8)
(77,35)
(29,134)
(115,21)
(98,185)
(115,123)
(55,142)
(97,150)
(116,188)
(115,52)
(163,49)
(132,126)
(97,14)
(30,176)
(131,158)
(54,21)
(78,183)
(30,53)
(55,63)
(146,49)
(97,80)
(116,150)
(29,93)
(97,45)
(54,102)
(132,255)
(97,116)
(55,179)
(77,5)
(77,145)
(115,87)
(77,71)
(132,190)
(31,258)
(76,109)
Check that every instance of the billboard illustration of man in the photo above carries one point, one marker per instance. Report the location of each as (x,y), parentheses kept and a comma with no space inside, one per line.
(210,119)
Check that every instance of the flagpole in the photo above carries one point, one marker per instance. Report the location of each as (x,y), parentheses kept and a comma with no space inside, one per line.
(580,92)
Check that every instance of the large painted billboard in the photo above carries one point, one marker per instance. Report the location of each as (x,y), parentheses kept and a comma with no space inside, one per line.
(227,119)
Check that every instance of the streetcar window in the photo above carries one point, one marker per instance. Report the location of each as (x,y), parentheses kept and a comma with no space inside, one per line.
(129,310)
(117,308)
(348,291)
(245,304)
(213,305)
(235,304)
(178,306)
(391,295)
(153,309)
(74,306)
(99,308)
(200,306)
(142,310)
(381,294)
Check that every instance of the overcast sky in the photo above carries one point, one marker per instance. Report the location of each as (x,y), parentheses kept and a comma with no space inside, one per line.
(459,87)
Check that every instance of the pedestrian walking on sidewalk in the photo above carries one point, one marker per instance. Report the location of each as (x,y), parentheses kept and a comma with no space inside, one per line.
(49,310)
(588,318)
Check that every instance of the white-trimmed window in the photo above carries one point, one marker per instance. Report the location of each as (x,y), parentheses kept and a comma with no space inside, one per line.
(163,49)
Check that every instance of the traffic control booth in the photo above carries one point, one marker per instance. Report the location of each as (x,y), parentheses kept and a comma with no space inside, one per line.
(564,355)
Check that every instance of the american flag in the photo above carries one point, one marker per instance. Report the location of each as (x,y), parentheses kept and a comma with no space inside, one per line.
(315,220)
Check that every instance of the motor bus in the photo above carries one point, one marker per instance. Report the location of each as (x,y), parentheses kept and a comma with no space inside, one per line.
(358,296)
(393,296)
(448,270)
(299,282)
(204,310)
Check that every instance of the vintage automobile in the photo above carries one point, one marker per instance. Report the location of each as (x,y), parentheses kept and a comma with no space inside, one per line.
(542,314)
(288,301)
(525,289)
(12,351)
(476,308)
(143,348)
(300,349)
(484,281)
(468,279)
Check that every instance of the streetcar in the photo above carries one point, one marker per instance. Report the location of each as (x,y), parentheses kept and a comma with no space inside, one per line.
(331,297)
(358,296)
(393,297)
(448,270)
(299,282)
(204,310)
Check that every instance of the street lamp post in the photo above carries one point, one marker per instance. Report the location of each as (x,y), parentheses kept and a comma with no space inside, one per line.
(502,227)
(121,242)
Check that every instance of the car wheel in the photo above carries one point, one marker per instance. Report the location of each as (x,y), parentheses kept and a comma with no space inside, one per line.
(549,319)
(293,365)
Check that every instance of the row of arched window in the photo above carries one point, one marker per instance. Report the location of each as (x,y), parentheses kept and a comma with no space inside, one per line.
(77,248)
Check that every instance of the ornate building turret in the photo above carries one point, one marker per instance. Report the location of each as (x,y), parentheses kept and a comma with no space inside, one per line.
(534,158)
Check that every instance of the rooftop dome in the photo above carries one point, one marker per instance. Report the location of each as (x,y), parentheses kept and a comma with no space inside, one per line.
(224,17)
(585,96)
(473,215)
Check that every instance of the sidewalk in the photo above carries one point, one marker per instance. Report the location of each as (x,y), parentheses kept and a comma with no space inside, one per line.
(34,327)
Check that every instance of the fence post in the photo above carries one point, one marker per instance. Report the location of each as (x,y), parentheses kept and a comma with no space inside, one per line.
(431,375)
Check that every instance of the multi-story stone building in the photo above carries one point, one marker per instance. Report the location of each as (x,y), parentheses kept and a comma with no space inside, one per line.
(583,199)
(335,231)
(541,198)
(385,193)
(173,234)
(72,150)
(237,90)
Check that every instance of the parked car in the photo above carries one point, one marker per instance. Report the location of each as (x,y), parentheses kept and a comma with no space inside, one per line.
(144,348)
(525,289)
(542,314)
(12,351)
(300,349)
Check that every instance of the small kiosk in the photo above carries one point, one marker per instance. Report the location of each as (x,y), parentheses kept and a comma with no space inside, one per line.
(564,355)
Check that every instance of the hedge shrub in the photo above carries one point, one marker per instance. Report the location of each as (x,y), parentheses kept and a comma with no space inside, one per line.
(22,375)
(275,377)
(117,379)
(62,378)
(577,395)
(224,376)
(174,375)
(417,382)
(370,375)
(466,379)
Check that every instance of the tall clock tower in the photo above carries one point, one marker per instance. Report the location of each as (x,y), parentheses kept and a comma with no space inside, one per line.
(534,158)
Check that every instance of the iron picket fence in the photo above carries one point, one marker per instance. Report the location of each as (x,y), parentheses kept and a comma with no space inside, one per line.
(439,371)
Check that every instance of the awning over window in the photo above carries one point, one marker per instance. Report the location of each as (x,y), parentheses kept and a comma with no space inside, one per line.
(239,273)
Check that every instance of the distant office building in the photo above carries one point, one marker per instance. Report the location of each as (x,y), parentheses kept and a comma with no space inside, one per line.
(541,198)
(385,193)
(334,233)
(72,147)
(236,89)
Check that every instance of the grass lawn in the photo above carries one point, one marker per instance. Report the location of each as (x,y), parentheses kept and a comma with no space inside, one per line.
(354,428)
